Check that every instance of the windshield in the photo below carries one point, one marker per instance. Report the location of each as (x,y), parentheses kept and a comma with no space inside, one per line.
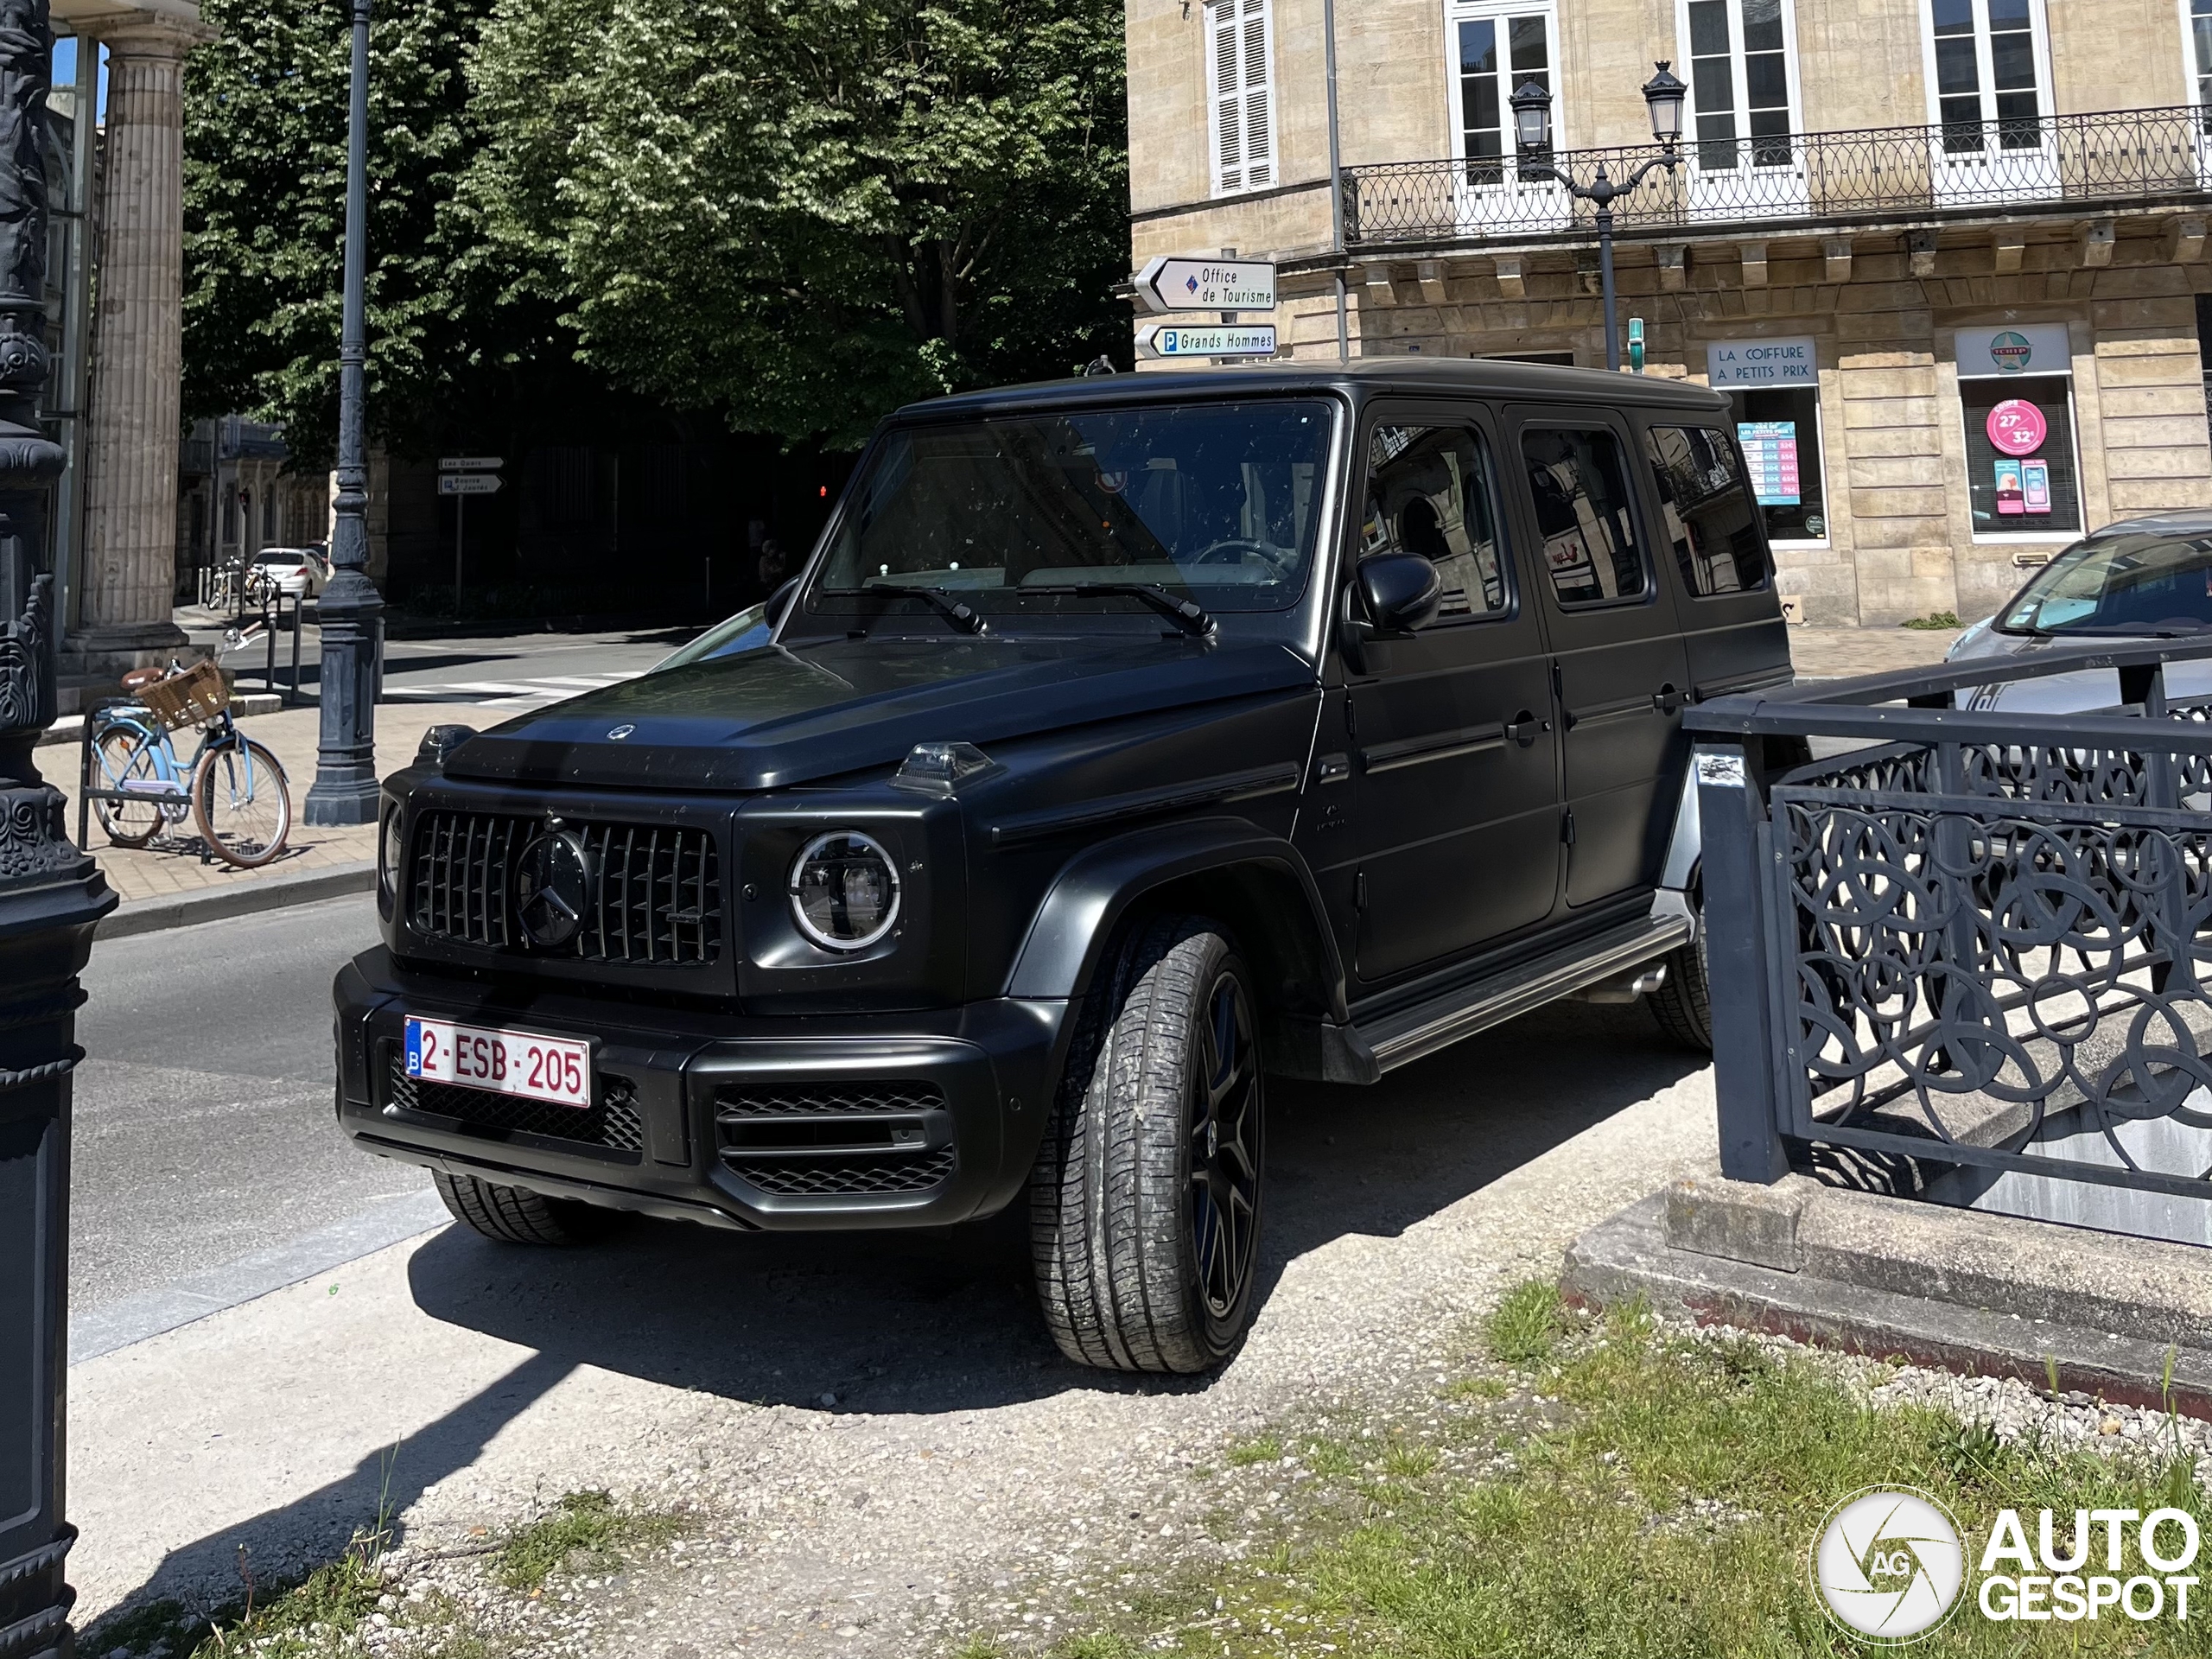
(2139,583)
(1215,503)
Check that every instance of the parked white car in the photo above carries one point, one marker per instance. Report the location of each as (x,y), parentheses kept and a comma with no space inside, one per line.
(2146,578)
(299,572)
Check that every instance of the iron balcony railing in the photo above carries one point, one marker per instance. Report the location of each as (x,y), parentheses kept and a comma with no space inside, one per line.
(1969,947)
(2124,157)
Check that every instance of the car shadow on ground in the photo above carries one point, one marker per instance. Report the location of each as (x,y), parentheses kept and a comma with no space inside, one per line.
(947,1319)
(944,1320)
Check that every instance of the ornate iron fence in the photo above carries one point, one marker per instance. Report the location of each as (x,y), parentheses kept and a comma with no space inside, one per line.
(1979,941)
(2125,156)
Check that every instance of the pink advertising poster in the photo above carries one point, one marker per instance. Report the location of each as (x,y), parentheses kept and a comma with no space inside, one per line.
(2017,427)
(2011,499)
(2035,485)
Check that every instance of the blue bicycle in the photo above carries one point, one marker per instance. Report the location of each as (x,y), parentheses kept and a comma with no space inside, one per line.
(233,789)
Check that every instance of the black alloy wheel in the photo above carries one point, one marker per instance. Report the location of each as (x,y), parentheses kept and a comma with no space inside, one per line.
(1225,1128)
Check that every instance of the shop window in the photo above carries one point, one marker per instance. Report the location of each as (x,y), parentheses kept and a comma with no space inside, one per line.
(2021,475)
(1709,515)
(1780,429)
(1580,489)
(1430,492)
(1241,56)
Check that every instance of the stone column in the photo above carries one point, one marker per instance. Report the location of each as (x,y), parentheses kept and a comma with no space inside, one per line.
(129,562)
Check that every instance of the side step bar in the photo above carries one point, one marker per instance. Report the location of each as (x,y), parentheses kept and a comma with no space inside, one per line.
(1409,1034)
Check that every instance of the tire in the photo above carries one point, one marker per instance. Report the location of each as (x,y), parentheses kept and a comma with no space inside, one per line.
(514,1216)
(1145,1202)
(125,754)
(241,805)
(1683,1005)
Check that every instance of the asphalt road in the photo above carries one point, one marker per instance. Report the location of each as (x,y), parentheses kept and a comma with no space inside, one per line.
(204,1127)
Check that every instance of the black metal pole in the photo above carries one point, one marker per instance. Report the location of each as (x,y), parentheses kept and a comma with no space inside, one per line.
(1606,278)
(345,790)
(51,895)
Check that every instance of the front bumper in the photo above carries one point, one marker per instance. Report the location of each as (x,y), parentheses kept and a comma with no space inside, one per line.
(856,1121)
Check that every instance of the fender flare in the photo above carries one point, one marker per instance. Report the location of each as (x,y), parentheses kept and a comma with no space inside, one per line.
(1096,888)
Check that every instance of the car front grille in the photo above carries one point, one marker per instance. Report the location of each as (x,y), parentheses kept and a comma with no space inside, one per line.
(656,894)
(613,1124)
(835,1139)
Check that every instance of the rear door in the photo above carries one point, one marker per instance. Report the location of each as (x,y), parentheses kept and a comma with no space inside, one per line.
(1714,546)
(1454,749)
(1621,674)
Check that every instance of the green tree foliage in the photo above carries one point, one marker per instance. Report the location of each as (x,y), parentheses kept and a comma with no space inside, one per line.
(805,211)
(464,339)
(794,214)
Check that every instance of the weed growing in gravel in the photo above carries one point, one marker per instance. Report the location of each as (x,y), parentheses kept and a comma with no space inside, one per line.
(1660,1496)
(1523,1326)
(1266,1449)
(315,1618)
(586,1531)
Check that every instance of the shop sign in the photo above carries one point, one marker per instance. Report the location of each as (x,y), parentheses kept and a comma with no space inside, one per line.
(2025,348)
(1734,363)
(2016,427)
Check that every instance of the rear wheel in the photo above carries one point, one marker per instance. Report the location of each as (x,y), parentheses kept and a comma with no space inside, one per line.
(513,1216)
(1145,1204)
(1683,1005)
(130,759)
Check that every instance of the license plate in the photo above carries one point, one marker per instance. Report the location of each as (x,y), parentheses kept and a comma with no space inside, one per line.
(554,1069)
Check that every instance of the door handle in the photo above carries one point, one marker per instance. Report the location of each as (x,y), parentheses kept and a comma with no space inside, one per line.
(1668,701)
(1525,728)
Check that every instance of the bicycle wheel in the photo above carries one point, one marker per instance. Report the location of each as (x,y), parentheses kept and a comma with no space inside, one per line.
(241,804)
(129,757)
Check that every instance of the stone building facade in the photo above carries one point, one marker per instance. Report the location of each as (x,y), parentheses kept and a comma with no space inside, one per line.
(1947,255)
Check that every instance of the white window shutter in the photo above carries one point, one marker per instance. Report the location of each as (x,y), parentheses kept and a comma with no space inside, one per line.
(1241,68)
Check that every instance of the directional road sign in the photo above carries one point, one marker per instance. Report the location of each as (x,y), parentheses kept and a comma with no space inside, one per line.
(469,484)
(1178,340)
(1178,284)
(471,463)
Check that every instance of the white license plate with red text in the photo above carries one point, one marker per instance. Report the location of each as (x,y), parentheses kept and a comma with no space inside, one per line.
(556,1068)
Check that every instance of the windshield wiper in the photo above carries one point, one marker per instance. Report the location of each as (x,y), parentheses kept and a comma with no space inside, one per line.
(1185,613)
(940,599)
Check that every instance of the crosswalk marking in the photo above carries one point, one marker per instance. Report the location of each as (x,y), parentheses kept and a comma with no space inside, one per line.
(550,688)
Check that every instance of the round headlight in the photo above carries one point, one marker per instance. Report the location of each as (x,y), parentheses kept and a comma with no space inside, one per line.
(389,853)
(844,891)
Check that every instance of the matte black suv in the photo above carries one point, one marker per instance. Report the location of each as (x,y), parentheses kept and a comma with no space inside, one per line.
(1125,742)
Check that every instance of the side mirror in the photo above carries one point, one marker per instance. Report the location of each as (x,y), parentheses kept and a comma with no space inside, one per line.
(1401,592)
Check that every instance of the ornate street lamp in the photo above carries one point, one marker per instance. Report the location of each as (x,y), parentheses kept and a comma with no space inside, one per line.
(345,790)
(1532,131)
(51,895)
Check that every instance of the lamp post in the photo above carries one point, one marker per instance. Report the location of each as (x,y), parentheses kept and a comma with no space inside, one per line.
(51,895)
(1532,134)
(345,790)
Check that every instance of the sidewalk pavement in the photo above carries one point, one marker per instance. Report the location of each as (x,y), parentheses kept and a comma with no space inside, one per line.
(1841,654)
(171,869)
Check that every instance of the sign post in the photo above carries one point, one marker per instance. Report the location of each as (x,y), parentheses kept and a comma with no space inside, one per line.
(460,477)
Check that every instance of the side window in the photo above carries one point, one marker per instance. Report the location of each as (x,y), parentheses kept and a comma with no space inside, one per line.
(1430,492)
(1580,489)
(1710,517)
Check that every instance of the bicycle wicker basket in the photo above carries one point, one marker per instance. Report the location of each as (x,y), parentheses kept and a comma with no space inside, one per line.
(198,694)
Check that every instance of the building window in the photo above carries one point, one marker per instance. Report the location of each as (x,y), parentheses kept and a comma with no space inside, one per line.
(1494,48)
(2196,16)
(1987,73)
(1739,81)
(2016,392)
(1241,56)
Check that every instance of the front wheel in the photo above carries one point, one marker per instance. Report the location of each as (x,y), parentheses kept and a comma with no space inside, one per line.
(513,1215)
(1145,1203)
(241,805)
(1683,1004)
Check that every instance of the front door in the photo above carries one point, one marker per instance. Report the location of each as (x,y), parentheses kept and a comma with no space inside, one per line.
(1454,747)
(1622,676)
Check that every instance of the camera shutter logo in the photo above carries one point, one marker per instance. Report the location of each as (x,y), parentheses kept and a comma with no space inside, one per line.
(552,887)
(1889,1564)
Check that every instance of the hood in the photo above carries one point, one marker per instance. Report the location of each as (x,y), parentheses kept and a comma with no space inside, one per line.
(2077,692)
(770,718)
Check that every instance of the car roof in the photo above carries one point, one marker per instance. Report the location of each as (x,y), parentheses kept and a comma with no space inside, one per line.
(2193,521)
(1362,379)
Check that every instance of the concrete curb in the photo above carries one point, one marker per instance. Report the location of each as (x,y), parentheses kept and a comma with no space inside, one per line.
(250,897)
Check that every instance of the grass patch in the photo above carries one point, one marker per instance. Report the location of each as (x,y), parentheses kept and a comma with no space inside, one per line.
(1525,1326)
(585,1532)
(295,1621)
(1934,619)
(1667,1509)
(1265,1449)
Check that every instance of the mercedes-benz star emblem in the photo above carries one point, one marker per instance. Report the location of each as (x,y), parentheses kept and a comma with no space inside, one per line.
(622,732)
(552,886)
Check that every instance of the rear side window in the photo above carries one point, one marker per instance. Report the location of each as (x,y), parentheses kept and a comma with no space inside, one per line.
(1579,487)
(1429,492)
(1709,514)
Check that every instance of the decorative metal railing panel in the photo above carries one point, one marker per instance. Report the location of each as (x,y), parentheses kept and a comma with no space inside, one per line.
(2072,161)
(1978,940)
